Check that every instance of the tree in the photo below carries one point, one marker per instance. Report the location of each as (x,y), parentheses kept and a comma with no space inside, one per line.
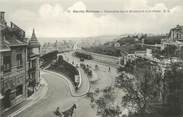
(174,83)
(170,51)
(139,80)
(105,103)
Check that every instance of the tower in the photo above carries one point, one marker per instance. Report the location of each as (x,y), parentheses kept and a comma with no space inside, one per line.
(34,44)
(34,63)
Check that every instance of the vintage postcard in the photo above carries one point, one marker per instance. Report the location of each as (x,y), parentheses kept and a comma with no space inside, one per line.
(94,58)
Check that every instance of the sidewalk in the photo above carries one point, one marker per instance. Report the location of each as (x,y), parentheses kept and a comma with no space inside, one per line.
(15,110)
(84,87)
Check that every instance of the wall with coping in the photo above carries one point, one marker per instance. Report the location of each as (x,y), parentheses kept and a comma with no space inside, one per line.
(106,59)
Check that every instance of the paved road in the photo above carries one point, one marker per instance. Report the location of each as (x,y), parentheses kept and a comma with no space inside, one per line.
(106,77)
(59,94)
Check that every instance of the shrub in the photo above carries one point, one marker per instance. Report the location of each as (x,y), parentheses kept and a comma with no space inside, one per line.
(48,58)
(66,69)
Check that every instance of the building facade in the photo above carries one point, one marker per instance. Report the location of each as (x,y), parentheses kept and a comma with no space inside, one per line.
(176,34)
(14,64)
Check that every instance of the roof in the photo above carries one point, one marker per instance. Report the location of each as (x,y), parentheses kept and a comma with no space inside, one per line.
(9,41)
(178,28)
(11,38)
(33,41)
(4,48)
(13,41)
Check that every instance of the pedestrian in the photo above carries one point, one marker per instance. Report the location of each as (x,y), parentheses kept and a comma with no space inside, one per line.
(57,112)
(109,69)
(76,87)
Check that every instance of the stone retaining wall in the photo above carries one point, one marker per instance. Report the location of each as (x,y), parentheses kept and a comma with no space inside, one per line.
(111,60)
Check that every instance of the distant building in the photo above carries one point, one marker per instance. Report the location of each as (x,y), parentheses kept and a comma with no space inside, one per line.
(117,45)
(47,47)
(61,46)
(176,34)
(127,58)
(15,65)
(142,54)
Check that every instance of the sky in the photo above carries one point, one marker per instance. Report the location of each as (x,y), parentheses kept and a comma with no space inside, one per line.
(55,18)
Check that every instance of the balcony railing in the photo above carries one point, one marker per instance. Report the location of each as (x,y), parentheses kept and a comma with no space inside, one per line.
(32,69)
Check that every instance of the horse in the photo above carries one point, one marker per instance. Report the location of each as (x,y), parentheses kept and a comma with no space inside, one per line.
(69,112)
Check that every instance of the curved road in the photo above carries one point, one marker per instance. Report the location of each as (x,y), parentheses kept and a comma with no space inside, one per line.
(59,94)
(106,77)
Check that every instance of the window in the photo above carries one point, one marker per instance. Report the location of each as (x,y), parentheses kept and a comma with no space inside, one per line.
(19,60)
(19,90)
(35,50)
(6,63)
(33,63)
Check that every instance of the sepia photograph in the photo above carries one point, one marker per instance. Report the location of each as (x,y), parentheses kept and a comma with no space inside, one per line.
(91,58)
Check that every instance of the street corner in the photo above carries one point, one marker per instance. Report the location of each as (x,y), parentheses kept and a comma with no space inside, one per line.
(36,97)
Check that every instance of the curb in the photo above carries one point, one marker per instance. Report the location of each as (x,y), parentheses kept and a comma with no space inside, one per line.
(70,85)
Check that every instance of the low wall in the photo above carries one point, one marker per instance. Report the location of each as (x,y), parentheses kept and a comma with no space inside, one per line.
(80,79)
(106,59)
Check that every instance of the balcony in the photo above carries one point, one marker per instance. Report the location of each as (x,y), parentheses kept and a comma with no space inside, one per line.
(19,66)
(33,69)
(13,70)
(6,71)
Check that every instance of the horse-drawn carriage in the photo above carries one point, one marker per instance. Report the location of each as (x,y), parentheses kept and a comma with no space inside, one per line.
(68,113)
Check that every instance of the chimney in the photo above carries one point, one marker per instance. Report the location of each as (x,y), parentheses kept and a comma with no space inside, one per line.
(2,18)
(178,25)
